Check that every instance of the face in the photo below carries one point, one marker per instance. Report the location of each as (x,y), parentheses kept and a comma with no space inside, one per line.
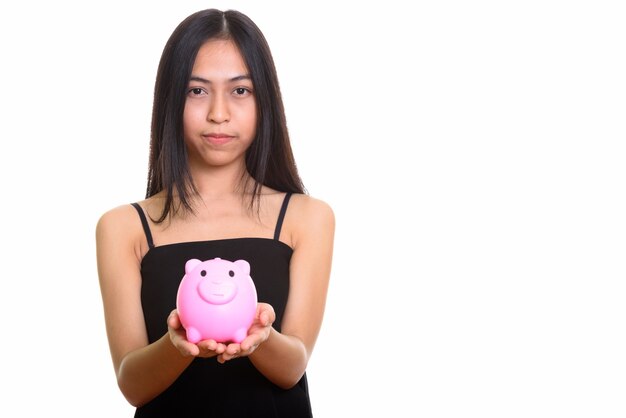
(220,109)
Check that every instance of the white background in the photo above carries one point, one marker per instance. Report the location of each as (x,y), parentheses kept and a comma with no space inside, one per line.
(473,153)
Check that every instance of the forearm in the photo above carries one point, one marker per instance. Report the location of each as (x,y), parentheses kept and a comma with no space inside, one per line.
(145,373)
(281,358)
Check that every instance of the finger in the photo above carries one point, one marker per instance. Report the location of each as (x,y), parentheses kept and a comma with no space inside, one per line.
(228,357)
(266,314)
(187,349)
(224,357)
(192,350)
(249,344)
(264,318)
(170,320)
(209,345)
(252,339)
(267,318)
(233,349)
(173,320)
(246,344)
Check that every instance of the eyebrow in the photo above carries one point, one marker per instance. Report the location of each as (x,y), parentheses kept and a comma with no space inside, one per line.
(204,80)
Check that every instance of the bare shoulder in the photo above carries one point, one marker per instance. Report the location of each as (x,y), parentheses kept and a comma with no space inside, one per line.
(311,209)
(116,217)
(121,222)
(308,216)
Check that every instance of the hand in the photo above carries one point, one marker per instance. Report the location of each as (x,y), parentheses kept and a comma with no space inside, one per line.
(178,336)
(258,333)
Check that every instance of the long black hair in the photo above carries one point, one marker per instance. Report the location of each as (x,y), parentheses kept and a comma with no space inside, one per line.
(269,159)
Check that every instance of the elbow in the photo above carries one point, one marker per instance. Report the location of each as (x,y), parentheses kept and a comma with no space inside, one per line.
(132,397)
(136,403)
(290,376)
(286,385)
(289,380)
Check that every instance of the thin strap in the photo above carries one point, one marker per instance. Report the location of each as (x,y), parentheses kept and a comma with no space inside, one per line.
(144,222)
(281,216)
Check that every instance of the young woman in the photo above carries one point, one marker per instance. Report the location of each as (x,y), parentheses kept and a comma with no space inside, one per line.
(222,182)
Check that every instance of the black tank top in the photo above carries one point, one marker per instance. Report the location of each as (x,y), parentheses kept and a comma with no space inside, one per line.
(207,388)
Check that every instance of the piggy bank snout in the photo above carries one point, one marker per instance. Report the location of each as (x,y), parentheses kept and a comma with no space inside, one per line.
(217,290)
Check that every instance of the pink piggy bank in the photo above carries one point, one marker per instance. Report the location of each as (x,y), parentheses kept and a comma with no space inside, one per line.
(216,300)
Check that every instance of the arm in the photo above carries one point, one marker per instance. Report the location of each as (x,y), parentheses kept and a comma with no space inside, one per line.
(283,357)
(143,370)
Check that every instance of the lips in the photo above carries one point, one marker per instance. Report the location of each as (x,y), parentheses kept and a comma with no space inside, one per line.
(218,139)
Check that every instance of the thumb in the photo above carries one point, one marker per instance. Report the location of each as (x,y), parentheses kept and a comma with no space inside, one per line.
(173,320)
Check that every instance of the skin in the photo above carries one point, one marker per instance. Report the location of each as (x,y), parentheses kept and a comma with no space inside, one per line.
(220,100)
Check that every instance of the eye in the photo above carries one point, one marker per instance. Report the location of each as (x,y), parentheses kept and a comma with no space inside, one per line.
(242,91)
(231,273)
(203,273)
(195,91)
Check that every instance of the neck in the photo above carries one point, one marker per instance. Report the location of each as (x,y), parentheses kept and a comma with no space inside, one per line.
(217,183)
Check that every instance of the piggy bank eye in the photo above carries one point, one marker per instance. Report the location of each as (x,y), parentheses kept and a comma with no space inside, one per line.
(231,273)
(203,273)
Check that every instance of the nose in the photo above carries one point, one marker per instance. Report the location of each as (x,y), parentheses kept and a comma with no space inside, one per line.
(218,110)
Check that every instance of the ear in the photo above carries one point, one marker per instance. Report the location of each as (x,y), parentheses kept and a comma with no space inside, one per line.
(243,266)
(191,264)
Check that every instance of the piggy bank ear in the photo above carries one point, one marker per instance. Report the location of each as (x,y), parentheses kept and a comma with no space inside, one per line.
(243,266)
(191,264)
